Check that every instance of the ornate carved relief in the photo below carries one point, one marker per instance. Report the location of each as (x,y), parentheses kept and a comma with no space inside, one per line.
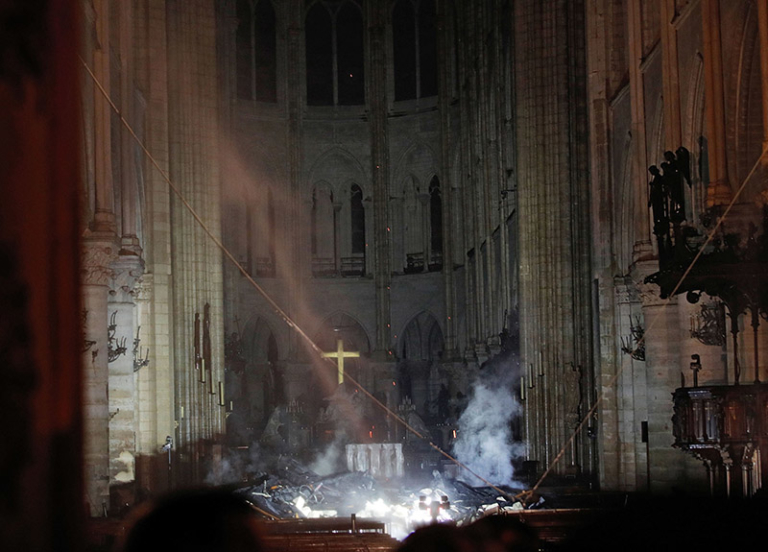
(97,258)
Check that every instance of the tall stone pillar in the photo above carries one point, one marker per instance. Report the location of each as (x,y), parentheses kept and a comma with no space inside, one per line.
(129,191)
(672,118)
(197,285)
(762,21)
(377,100)
(104,216)
(719,191)
(662,366)
(300,248)
(122,389)
(98,255)
(643,247)
(555,271)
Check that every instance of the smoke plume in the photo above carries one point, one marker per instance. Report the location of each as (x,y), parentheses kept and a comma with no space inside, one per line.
(484,443)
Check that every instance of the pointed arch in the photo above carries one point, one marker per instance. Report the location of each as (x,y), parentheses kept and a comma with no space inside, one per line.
(421,338)
(344,325)
(337,165)
(256,341)
(350,48)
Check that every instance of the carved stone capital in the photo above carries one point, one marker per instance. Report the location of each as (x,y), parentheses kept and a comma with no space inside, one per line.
(126,273)
(97,258)
(144,287)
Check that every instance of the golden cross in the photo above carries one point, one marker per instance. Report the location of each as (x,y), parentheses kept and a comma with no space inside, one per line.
(341,354)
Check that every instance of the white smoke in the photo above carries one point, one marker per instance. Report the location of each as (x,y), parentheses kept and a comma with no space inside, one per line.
(328,461)
(484,443)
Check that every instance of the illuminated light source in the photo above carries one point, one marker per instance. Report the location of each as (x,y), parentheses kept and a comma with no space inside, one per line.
(393,383)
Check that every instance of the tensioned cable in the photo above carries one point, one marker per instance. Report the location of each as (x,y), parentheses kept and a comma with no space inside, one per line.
(653,321)
(286,318)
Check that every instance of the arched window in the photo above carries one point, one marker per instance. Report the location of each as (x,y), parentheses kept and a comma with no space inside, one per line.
(335,54)
(358,220)
(404,49)
(265,52)
(435,225)
(427,47)
(414,41)
(256,51)
(350,55)
(319,44)
(244,54)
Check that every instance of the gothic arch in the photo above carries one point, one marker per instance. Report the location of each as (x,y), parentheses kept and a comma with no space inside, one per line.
(344,325)
(417,160)
(337,166)
(421,338)
(256,341)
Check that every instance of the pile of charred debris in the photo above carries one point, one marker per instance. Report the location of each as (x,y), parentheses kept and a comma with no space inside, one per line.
(402,504)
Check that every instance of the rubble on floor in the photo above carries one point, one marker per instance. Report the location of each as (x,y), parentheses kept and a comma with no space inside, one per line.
(402,504)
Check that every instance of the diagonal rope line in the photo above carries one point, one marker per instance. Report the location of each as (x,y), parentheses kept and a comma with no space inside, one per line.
(284,315)
(652,323)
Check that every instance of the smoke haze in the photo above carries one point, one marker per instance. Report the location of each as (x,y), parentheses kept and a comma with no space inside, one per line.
(484,442)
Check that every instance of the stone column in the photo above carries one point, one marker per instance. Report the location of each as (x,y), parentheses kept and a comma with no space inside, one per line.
(762,21)
(123,398)
(377,100)
(555,277)
(129,196)
(719,190)
(446,179)
(98,254)
(299,240)
(602,217)
(662,332)
(104,217)
(643,247)
(197,261)
(672,119)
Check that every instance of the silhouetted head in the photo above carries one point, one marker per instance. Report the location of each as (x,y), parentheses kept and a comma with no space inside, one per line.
(437,537)
(203,520)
